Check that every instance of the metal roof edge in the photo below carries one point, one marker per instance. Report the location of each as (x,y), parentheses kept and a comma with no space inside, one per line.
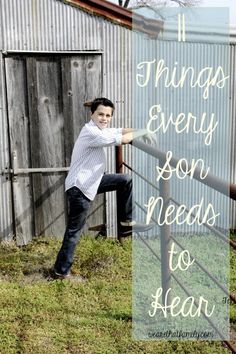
(118,15)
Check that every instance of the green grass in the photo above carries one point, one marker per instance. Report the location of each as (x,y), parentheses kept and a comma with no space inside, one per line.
(90,317)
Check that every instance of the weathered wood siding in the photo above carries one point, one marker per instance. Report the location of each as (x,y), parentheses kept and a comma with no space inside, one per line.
(46,143)
(46,112)
(6,218)
(19,137)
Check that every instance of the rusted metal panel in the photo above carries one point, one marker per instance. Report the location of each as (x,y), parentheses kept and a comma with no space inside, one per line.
(120,15)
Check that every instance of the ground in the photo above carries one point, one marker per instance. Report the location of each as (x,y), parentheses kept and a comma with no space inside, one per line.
(89,317)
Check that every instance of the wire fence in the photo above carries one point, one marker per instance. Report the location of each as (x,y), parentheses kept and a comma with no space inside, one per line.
(165,232)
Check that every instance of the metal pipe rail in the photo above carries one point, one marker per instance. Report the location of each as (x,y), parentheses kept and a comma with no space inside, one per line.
(23,171)
(230,295)
(211,228)
(229,345)
(210,180)
(15,170)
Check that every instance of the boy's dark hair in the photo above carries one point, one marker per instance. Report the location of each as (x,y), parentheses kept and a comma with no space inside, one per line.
(101,101)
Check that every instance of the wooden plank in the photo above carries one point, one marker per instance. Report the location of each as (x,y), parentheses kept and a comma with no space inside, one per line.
(81,82)
(6,217)
(47,144)
(73,91)
(19,140)
(93,81)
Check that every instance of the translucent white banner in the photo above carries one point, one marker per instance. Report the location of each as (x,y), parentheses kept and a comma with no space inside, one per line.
(181,94)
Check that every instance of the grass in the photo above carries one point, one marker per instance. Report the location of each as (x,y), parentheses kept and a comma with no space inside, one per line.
(90,317)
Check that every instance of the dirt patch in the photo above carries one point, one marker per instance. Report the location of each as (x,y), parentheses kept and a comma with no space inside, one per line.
(233,336)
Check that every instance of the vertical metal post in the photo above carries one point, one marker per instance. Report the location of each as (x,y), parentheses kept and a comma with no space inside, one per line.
(119,159)
(165,238)
(119,169)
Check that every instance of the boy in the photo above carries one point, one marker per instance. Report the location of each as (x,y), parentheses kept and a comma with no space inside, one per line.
(86,178)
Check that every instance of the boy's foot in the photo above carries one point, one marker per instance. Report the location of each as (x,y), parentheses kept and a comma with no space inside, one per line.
(69,276)
(61,276)
(126,229)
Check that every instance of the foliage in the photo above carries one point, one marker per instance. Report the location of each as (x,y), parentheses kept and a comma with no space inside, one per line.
(158,3)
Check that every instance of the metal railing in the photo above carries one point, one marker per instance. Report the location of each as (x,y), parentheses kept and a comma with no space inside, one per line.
(165,232)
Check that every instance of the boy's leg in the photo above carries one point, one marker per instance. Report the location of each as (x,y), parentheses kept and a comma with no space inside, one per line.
(78,210)
(122,183)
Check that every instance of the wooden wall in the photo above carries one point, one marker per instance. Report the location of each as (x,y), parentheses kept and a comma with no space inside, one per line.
(45,102)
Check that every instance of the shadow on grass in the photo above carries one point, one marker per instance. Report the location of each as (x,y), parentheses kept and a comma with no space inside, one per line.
(123,316)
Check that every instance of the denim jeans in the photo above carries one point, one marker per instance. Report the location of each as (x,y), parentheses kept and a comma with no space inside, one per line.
(79,206)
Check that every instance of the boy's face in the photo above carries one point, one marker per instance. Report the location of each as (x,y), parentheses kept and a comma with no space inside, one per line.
(102,116)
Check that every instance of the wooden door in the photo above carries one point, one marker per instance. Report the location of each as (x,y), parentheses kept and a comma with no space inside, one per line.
(45,97)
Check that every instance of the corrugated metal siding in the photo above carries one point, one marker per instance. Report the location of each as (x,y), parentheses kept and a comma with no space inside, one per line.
(6,225)
(117,86)
(51,25)
(233,130)
(42,25)
(197,55)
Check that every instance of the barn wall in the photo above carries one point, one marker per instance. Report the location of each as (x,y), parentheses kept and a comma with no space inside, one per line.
(43,25)
(50,26)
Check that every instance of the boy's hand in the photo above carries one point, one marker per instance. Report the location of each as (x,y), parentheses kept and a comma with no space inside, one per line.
(150,139)
(129,134)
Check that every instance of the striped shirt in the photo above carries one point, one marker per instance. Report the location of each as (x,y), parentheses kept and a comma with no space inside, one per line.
(88,159)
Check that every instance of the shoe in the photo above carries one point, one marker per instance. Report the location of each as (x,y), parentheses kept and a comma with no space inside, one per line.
(123,239)
(133,226)
(69,276)
(61,276)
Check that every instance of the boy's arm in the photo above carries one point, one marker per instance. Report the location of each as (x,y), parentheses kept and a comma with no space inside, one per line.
(127,130)
(129,134)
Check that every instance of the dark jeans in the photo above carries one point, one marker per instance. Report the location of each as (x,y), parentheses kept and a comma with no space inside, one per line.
(79,206)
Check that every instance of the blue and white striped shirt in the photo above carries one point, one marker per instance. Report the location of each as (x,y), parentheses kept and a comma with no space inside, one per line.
(89,159)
